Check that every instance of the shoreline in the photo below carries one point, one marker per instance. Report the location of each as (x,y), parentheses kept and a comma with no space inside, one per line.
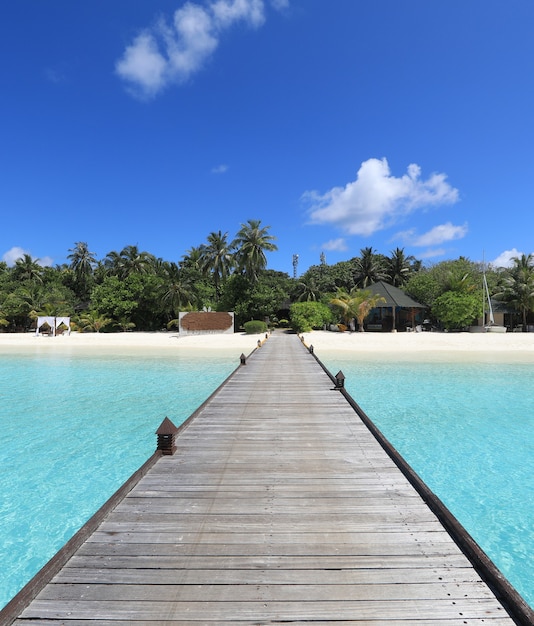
(426,347)
(158,343)
(506,347)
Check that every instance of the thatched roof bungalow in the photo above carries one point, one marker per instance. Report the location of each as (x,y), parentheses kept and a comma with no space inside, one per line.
(399,312)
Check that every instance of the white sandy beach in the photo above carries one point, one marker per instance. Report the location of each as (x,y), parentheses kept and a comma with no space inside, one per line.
(129,343)
(509,347)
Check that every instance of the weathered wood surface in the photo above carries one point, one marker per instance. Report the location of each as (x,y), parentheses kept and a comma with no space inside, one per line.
(278,507)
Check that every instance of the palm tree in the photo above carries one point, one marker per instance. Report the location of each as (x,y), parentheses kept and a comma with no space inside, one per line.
(129,261)
(136,262)
(216,259)
(192,258)
(357,303)
(176,292)
(399,267)
(251,243)
(369,268)
(82,263)
(93,321)
(306,290)
(112,263)
(518,286)
(27,268)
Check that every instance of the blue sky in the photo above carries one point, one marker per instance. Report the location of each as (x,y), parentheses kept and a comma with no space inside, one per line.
(340,124)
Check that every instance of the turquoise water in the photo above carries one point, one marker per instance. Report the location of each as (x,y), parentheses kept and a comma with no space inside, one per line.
(72,430)
(468,430)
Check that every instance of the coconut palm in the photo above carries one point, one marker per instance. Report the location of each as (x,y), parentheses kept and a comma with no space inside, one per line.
(176,292)
(192,258)
(369,268)
(129,261)
(357,303)
(82,260)
(251,243)
(518,286)
(136,262)
(216,259)
(399,267)
(82,263)
(27,268)
(306,290)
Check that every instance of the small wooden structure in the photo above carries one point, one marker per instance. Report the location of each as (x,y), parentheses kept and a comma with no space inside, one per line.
(166,437)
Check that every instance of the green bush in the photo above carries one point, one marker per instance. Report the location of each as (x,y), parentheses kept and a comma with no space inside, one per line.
(456,310)
(308,315)
(254,327)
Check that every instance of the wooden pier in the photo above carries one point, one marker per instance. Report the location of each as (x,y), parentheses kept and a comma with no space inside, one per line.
(279,506)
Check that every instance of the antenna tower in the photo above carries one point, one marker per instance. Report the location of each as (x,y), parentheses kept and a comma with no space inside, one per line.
(295,264)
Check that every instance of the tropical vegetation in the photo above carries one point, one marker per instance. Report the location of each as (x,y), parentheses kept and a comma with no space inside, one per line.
(357,303)
(131,289)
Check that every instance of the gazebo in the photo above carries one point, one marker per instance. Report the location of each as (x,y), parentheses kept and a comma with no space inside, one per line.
(401,306)
(53,322)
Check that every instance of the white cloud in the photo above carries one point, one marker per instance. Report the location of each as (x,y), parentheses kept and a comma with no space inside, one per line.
(16,253)
(439,234)
(12,255)
(432,253)
(169,54)
(505,258)
(228,11)
(46,261)
(280,5)
(142,64)
(220,169)
(338,245)
(376,199)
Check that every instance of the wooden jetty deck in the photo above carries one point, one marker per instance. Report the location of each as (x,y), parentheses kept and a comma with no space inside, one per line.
(278,507)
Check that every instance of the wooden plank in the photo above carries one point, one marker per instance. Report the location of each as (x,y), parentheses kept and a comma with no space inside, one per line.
(413,621)
(288,591)
(279,506)
(264,611)
(269,574)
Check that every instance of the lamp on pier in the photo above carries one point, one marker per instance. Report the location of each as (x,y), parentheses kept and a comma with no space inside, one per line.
(243,359)
(166,437)
(340,380)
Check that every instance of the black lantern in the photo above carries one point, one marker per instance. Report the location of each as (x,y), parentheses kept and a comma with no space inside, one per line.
(166,435)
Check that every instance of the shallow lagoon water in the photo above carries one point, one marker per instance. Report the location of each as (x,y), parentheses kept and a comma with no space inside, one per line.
(467,429)
(72,429)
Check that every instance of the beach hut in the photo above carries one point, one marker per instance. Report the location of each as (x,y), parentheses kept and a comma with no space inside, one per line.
(398,312)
